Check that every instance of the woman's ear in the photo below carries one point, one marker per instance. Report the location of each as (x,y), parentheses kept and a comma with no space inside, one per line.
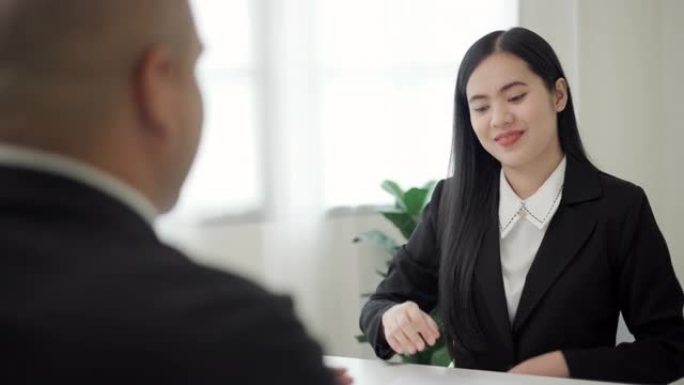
(560,95)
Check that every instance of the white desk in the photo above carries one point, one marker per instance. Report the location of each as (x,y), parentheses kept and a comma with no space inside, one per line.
(376,372)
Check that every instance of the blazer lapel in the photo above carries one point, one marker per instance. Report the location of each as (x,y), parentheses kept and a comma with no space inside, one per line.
(489,282)
(568,231)
(566,234)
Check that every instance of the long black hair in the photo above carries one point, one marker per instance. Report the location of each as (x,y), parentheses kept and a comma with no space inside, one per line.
(471,195)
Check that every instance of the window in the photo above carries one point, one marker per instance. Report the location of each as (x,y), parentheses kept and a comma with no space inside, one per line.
(372,81)
(226,175)
(389,70)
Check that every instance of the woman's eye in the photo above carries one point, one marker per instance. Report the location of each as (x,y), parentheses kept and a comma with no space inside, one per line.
(517,98)
(481,109)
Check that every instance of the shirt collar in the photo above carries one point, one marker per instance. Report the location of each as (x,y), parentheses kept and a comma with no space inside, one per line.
(538,209)
(73,169)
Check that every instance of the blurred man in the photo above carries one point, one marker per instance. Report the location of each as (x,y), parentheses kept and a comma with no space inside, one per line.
(100,118)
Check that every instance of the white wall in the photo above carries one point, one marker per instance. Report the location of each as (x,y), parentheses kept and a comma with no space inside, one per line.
(624,61)
(672,78)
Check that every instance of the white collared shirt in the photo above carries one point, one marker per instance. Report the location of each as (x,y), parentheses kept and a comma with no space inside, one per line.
(522,225)
(73,169)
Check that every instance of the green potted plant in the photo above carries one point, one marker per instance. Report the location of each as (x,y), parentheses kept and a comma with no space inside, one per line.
(405,215)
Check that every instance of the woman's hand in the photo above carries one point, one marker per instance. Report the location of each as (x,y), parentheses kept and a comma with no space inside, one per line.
(550,364)
(408,329)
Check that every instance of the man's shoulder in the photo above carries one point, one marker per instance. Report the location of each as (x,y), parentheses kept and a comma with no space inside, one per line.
(227,321)
(153,305)
(212,295)
(166,272)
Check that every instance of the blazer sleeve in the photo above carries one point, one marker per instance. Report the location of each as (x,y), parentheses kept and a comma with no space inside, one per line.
(412,276)
(651,302)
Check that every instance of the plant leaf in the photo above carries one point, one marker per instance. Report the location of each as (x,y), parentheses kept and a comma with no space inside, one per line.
(396,191)
(414,199)
(404,222)
(379,239)
(440,357)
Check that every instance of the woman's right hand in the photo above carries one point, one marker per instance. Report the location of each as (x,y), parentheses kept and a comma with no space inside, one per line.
(408,329)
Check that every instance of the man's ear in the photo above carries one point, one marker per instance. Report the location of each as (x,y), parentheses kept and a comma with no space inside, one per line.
(560,95)
(154,86)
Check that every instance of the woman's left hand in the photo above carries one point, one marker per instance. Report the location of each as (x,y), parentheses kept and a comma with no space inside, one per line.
(550,364)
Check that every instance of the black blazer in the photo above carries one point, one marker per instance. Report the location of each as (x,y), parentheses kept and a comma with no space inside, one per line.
(88,294)
(601,255)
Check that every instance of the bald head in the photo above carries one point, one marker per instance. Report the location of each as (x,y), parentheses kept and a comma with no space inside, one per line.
(107,82)
(66,63)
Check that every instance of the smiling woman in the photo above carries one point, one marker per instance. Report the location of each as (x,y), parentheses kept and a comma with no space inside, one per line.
(529,251)
(513,114)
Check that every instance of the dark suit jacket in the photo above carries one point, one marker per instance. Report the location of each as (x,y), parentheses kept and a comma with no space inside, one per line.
(89,294)
(601,255)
